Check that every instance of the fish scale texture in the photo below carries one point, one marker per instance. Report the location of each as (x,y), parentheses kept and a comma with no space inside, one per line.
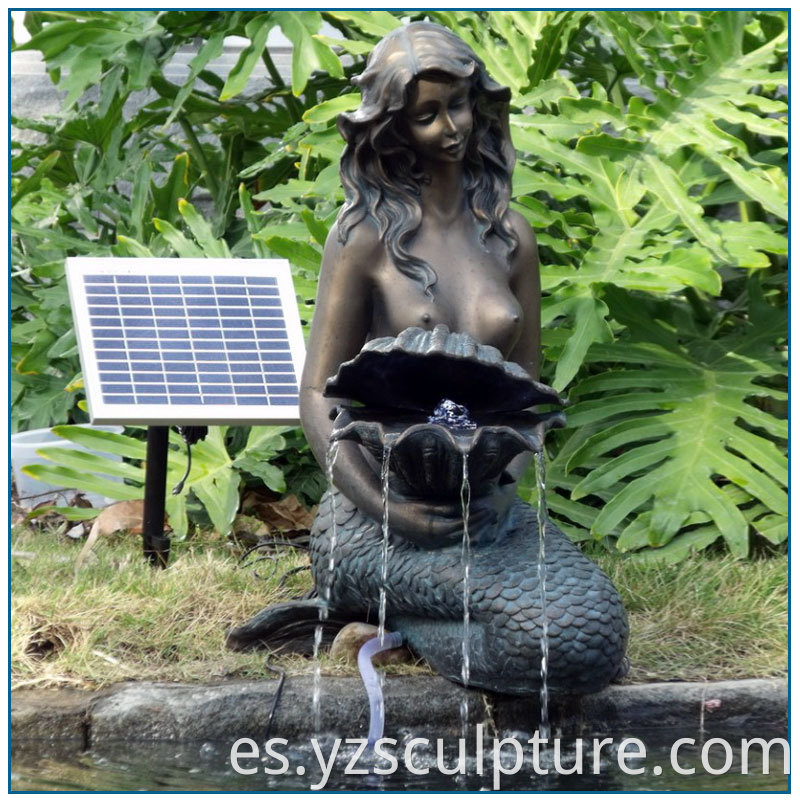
(587,625)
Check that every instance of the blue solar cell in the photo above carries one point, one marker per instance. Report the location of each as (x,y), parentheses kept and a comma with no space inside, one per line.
(219,381)
(98,279)
(201,291)
(204,370)
(202,312)
(104,316)
(168,301)
(118,399)
(243,367)
(135,300)
(274,377)
(106,322)
(226,303)
(210,355)
(172,322)
(236,324)
(250,357)
(238,345)
(131,279)
(138,322)
(96,302)
(174,343)
(216,399)
(163,279)
(254,281)
(117,387)
(195,279)
(140,333)
(109,374)
(274,354)
(193,303)
(102,332)
(116,355)
(109,343)
(150,399)
(151,388)
(251,401)
(278,367)
(240,333)
(95,291)
(284,401)
(159,291)
(228,279)
(258,292)
(265,312)
(169,357)
(270,323)
(147,352)
(169,335)
(181,389)
(146,371)
(223,291)
(189,400)
(133,289)
(203,323)
(207,334)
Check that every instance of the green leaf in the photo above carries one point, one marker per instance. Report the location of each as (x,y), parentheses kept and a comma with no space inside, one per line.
(70,513)
(257,31)
(90,462)
(201,230)
(271,475)
(182,246)
(105,441)
(301,254)
(72,479)
(308,54)
(219,494)
(670,451)
(330,109)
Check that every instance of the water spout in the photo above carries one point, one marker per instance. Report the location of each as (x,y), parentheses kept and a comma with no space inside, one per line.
(541,518)
(372,681)
(325,587)
(465,562)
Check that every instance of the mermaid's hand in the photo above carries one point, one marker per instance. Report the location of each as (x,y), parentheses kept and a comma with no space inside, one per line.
(431,525)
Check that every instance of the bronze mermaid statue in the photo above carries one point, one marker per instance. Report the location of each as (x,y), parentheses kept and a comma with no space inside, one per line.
(429,290)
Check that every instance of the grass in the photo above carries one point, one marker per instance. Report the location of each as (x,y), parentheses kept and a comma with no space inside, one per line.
(119,619)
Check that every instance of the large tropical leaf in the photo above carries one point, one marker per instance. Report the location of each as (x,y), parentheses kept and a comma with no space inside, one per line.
(681,423)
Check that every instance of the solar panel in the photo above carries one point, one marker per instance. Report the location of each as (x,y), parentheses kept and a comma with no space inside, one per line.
(172,341)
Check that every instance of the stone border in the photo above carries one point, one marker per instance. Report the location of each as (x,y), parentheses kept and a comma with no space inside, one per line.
(428,706)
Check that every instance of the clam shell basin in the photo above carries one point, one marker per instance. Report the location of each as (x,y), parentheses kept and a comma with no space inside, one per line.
(418,368)
(426,460)
(587,625)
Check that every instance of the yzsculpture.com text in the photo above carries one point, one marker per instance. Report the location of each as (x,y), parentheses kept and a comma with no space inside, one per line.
(506,757)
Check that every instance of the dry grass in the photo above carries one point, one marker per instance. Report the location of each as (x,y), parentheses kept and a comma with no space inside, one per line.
(119,619)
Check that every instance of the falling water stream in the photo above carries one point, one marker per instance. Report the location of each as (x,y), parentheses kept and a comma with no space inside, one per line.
(541,518)
(326,585)
(465,562)
(387,454)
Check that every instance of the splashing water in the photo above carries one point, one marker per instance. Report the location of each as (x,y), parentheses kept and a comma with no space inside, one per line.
(541,518)
(326,585)
(465,562)
(387,454)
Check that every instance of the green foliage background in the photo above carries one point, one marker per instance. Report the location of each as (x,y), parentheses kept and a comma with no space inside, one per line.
(652,166)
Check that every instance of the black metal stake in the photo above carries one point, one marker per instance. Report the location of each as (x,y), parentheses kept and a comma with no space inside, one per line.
(156,542)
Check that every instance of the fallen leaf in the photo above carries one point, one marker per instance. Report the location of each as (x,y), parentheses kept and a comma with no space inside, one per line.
(287,514)
(124,516)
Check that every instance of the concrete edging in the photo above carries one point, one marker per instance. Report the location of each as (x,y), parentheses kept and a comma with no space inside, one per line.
(427,706)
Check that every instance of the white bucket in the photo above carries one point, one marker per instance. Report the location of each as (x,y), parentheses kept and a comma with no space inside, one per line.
(34,493)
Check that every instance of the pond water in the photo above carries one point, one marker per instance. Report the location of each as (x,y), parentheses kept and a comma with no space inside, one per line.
(206,766)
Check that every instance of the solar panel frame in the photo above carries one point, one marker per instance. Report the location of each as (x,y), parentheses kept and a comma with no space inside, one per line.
(159,339)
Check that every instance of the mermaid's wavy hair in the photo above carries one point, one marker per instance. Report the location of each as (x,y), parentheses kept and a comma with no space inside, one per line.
(379,169)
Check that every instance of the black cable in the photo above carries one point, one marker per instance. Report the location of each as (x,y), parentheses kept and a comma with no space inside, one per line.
(191,434)
(276,699)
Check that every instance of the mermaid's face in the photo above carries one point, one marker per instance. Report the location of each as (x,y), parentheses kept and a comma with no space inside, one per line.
(438,116)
